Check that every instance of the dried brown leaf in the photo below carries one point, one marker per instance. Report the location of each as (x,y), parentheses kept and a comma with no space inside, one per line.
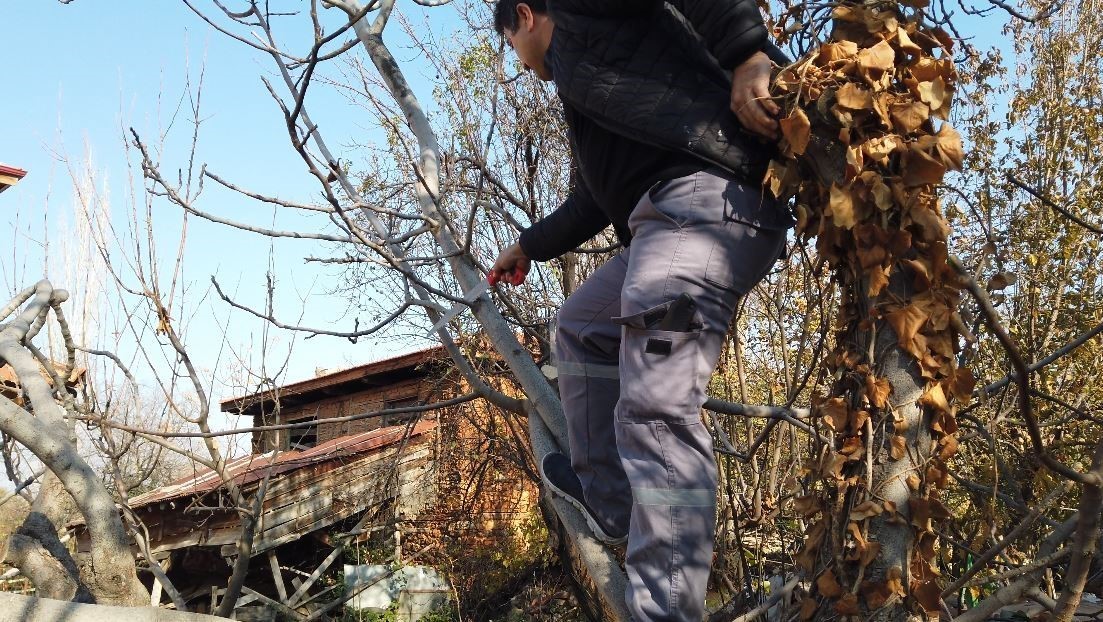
(1001,280)
(806,557)
(932,227)
(853,447)
(828,585)
(933,93)
(947,448)
(950,149)
(808,505)
(870,255)
(847,605)
(854,97)
(920,509)
(835,413)
(906,44)
(876,593)
(929,596)
(808,608)
(907,118)
(841,207)
(898,447)
(906,323)
(962,385)
(858,419)
(869,553)
(880,57)
(935,399)
(878,390)
(878,149)
(865,510)
(920,169)
(840,50)
(894,582)
(878,280)
(913,482)
(797,130)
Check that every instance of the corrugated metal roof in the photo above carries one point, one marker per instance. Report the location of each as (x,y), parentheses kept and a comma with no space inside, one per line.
(254,467)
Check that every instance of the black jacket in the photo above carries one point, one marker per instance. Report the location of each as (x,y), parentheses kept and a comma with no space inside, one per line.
(661,72)
(658,72)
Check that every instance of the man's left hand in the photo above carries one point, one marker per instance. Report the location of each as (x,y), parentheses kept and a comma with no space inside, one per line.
(750,100)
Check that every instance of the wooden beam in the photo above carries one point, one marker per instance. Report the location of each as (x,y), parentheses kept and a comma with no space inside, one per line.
(282,608)
(314,576)
(277,576)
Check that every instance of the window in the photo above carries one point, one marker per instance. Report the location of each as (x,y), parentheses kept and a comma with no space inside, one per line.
(390,419)
(305,437)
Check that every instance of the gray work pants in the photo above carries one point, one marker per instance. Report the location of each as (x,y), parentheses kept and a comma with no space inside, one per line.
(632,394)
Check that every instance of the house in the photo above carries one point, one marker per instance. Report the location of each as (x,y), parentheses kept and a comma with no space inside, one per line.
(394,383)
(350,481)
(9,176)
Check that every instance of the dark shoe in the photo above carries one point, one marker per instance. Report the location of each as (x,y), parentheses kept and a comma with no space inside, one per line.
(556,470)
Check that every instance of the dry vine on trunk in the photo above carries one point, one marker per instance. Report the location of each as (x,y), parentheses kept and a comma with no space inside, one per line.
(876,91)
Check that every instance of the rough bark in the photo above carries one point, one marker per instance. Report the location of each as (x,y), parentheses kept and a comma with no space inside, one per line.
(1084,543)
(110,575)
(896,537)
(38,552)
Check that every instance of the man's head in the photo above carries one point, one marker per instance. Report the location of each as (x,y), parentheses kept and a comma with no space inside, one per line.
(528,29)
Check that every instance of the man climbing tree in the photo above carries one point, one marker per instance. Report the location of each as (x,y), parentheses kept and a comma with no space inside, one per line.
(658,119)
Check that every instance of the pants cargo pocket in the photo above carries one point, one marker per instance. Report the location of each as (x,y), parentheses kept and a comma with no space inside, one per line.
(742,256)
(659,371)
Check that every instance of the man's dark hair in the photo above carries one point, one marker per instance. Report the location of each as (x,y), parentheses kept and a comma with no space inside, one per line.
(505,13)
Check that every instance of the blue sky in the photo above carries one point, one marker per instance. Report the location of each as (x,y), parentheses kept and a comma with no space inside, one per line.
(75,75)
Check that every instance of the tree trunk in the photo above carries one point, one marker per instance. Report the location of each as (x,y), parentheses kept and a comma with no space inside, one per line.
(863,159)
(110,573)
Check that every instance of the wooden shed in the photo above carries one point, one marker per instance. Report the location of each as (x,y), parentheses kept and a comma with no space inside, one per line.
(348,474)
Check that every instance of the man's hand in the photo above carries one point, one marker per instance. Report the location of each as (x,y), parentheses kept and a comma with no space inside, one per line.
(512,266)
(751,101)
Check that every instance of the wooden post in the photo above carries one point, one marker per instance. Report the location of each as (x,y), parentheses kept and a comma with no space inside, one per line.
(398,544)
(281,589)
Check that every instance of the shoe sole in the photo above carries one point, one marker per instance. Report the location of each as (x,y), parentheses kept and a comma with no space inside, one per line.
(595,528)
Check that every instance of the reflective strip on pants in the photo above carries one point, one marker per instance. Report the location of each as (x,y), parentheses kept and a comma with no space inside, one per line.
(588,370)
(684,497)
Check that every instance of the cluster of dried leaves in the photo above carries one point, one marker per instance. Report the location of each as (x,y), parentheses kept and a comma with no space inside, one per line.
(878,89)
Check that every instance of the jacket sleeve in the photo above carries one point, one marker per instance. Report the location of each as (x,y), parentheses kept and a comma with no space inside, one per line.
(732,30)
(576,220)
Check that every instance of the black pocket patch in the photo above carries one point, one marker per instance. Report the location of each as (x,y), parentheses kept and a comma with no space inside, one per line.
(658,346)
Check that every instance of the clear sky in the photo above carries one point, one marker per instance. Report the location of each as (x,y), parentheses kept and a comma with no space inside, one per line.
(75,75)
